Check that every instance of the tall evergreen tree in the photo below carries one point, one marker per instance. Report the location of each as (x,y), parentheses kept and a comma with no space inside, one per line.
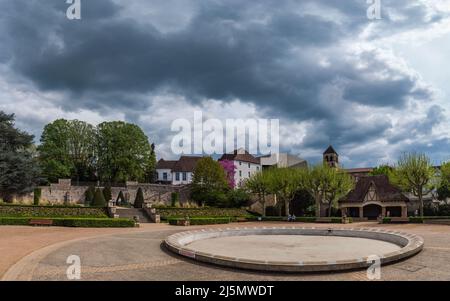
(19,172)
(139,201)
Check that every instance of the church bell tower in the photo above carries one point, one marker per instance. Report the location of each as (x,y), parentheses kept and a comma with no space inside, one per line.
(331,157)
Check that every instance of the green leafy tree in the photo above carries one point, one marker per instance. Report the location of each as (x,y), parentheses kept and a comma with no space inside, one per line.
(340,184)
(382,170)
(67,150)
(107,193)
(99,199)
(237,198)
(139,201)
(414,173)
(444,185)
(209,183)
(285,183)
(316,180)
(259,184)
(19,171)
(124,152)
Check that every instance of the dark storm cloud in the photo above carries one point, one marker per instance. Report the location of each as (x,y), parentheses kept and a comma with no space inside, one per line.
(267,52)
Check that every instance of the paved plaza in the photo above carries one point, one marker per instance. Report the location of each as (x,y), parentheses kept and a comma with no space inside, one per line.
(137,254)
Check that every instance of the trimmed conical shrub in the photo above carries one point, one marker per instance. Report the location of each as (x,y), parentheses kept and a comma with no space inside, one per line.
(89,196)
(139,201)
(121,199)
(107,193)
(99,199)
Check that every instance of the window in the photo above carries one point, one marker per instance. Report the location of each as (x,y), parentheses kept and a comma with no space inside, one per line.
(165,176)
(249,175)
(184,176)
(257,168)
(177,176)
(248,165)
(240,173)
(240,163)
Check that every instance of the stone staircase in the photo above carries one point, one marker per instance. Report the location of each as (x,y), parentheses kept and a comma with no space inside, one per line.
(132,212)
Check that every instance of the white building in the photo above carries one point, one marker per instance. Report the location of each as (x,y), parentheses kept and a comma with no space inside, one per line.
(245,164)
(176,172)
(282,160)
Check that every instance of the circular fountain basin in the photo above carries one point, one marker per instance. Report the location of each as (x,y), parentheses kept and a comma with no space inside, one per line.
(295,249)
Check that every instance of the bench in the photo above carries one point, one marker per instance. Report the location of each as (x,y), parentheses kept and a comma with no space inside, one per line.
(41,222)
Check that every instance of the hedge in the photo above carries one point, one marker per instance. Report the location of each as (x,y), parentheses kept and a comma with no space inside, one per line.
(418,219)
(52,211)
(168,213)
(202,221)
(73,222)
(303,219)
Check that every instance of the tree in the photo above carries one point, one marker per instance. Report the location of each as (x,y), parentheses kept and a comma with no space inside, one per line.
(237,198)
(67,150)
(19,172)
(444,185)
(99,199)
(382,170)
(340,185)
(230,170)
(316,181)
(89,196)
(150,173)
(259,184)
(209,182)
(415,173)
(139,201)
(124,152)
(121,199)
(107,193)
(284,183)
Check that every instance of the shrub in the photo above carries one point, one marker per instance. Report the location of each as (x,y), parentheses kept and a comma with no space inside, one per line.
(174,198)
(51,211)
(99,199)
(167,213)
(73,222)
(107,193)
(37,196)
(238,198)
(121,200)
(89,196)
(139,201)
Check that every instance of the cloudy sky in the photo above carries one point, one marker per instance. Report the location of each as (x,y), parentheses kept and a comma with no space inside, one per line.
(372,88)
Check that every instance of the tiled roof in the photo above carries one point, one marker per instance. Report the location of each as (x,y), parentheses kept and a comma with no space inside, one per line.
(330,150)
(386,192)
(236,156)
(186,164)
(163,164)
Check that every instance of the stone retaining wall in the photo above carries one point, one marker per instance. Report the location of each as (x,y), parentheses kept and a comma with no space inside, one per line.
(64,192)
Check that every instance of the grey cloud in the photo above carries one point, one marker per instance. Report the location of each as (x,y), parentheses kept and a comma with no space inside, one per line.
(264,52)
